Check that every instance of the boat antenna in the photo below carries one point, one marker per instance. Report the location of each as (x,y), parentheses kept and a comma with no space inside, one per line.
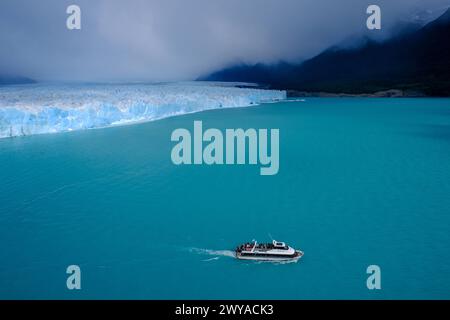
(270,236)
(254,245)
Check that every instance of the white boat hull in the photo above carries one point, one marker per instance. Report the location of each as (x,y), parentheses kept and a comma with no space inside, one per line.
(270,258)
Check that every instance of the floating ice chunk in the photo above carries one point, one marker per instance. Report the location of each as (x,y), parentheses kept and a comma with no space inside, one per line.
(45,108)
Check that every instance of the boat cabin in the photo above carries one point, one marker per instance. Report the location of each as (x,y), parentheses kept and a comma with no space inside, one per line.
(279,245)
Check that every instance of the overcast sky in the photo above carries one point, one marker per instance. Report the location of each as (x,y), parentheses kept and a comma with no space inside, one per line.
(160,40)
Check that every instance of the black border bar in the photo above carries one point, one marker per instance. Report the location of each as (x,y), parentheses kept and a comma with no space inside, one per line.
(225,309)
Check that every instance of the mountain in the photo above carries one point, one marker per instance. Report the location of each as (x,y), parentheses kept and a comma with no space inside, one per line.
(8,79)
(415,61)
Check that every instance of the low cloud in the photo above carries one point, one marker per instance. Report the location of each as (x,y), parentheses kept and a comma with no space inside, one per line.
(160,40)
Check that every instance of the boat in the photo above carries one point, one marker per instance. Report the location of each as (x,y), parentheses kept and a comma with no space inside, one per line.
(274,251)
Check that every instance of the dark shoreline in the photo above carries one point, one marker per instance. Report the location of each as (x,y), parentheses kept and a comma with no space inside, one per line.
(389,93)
(392,93)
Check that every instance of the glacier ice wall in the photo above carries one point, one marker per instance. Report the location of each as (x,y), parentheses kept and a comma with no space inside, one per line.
(46,108)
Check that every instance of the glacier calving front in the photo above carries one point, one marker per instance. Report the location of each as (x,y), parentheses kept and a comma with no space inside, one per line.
(45,108)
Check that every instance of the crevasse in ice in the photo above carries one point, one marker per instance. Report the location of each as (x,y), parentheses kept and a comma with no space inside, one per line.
(45,108)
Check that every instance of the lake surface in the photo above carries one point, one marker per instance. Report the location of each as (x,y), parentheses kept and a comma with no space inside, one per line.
(361,182)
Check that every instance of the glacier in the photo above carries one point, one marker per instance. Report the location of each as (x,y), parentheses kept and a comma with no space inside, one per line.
(50,108)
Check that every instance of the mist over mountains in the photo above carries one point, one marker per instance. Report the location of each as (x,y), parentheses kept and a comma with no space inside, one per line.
(416,61)
(231,41)
(14,79)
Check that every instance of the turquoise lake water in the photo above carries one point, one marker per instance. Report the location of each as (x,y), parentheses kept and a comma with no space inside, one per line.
(361,182)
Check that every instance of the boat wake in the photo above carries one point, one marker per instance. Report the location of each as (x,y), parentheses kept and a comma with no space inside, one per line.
(215,253)
(211,259)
